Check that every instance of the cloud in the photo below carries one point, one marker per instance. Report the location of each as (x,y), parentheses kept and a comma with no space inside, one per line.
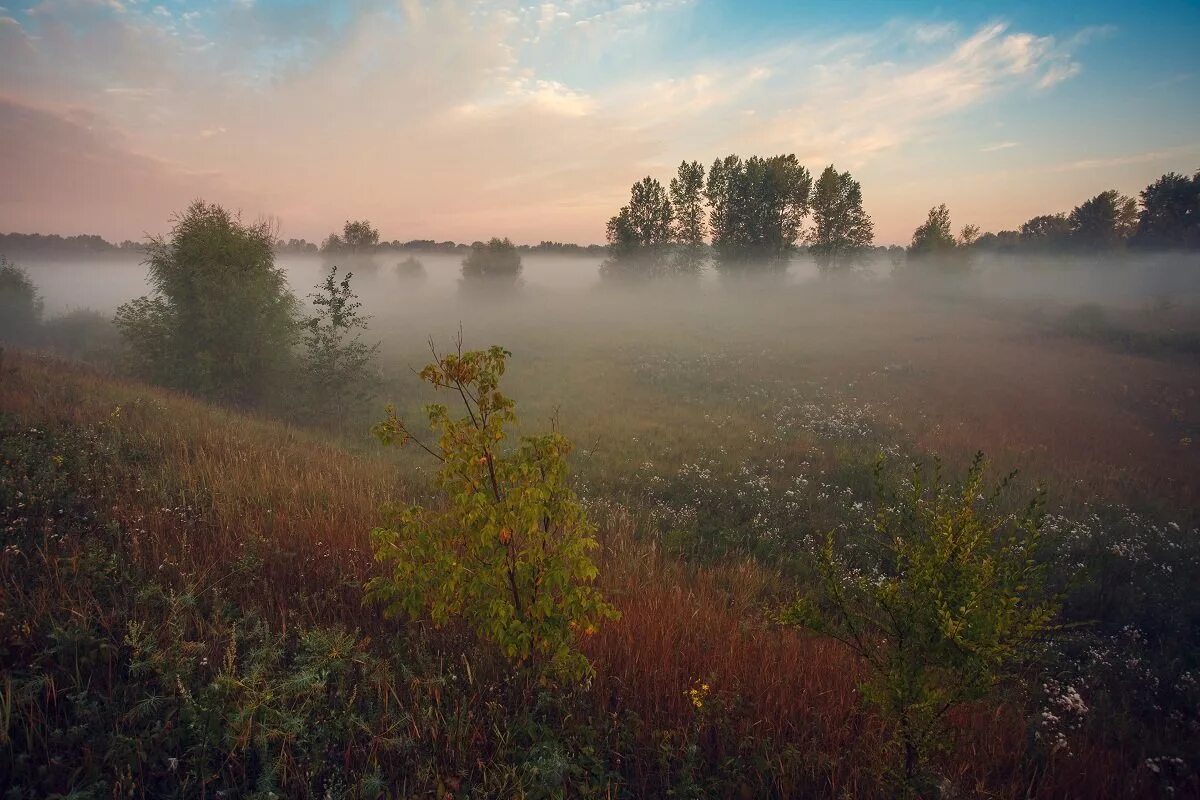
(463,120)
(992,148)
(86,174)
(1125,160)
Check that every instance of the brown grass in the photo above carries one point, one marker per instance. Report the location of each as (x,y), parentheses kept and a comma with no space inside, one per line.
(304,508)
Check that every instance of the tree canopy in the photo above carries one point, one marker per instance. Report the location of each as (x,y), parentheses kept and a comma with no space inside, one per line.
(222,320)
(842,231)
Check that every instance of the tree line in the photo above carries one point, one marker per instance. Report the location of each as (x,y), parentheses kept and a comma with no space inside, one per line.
(745,214)
(1165,216)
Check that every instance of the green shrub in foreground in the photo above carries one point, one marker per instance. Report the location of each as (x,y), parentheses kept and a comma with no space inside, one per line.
(949,593)
(509,551)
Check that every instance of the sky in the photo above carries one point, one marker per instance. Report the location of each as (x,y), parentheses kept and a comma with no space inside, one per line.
(466,120)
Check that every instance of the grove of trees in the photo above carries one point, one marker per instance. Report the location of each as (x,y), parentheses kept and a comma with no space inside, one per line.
(751,211)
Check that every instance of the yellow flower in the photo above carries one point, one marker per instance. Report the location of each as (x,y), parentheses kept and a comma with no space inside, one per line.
(698,694)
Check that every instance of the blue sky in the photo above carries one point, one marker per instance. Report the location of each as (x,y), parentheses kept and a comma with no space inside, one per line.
(465,120)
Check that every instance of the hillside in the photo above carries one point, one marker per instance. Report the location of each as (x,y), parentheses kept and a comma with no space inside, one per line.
(184,615)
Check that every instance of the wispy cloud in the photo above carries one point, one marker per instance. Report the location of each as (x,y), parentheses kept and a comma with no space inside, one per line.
(1131,158)
(992,148)
(464,120)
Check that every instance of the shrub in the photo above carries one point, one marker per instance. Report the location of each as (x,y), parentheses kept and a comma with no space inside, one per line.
(509,550)
(20,305)
(222,323)
(497,259)
(941,606)
(339,374)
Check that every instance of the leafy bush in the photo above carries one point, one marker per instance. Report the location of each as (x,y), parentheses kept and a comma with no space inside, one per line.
(497,260)
(20,305)
(508,552)
(84,334)
(223,322)
(338,369)
(939,606)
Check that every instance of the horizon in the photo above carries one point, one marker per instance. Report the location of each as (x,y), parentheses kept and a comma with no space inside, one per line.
(461,122)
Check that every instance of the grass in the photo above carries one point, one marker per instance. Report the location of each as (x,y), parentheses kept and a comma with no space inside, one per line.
(225,534)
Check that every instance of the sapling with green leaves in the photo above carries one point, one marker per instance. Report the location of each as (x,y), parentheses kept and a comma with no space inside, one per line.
(938,600)
(508,550)
(338,365)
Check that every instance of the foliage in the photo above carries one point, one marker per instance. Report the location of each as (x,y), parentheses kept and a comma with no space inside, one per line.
(1103,222)
(943,603)
(338,365)
(496,260)
(639,234)
(410,268)
(509,552)
(20,305)
(357,238)
(1046,232)
(935,246)
(689,226)
(222,321)
(757,206)
(842,232)
(1170,216)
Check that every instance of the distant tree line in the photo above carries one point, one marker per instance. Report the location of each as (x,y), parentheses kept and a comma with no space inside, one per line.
(1164,216)
(746,214)
(35,244)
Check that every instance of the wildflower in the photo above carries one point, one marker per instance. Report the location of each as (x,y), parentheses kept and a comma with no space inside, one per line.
(698,694)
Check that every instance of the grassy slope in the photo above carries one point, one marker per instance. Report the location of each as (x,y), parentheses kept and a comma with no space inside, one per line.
(214,504)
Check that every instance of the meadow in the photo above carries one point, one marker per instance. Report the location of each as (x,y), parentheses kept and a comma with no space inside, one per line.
(720,428)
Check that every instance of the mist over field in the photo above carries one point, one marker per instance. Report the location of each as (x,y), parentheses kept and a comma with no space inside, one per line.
(781,400)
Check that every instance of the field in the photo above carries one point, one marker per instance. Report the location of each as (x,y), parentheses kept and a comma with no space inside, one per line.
(718,428)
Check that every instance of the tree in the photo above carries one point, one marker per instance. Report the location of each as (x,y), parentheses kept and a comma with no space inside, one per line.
(359,236)
(508,550)
(842,232)
(1046,232)
(968,236)
(338,368)
(757,207)
(20,305)
(496,260)
(934,237)
(222,321)
(687,202)
(639,234)
(1170,216)
(939,600)
(1104,222)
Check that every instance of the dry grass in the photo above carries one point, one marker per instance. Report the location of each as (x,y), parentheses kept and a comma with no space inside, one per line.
(257,488)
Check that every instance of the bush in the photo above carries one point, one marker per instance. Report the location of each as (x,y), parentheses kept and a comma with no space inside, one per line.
(20,305)
(497,260)
(84,334)
(338,368)
(939,606)
(509,551)
(223,321)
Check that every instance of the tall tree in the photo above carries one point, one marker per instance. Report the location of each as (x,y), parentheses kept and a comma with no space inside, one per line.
(842,232)
(1104,222)
(757,207)
(639,234)
(689,227)
(222,320)
(1170,216)
(935,236)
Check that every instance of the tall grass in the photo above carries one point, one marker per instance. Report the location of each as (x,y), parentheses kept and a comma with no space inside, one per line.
(221,510)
